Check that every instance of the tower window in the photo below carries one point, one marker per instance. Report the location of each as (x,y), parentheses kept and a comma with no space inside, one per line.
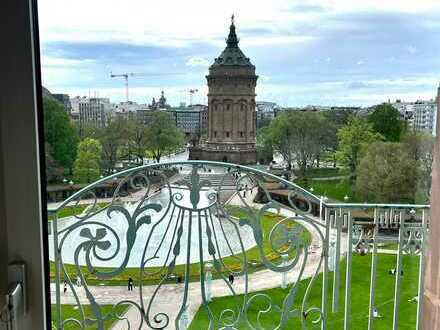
(227,134)
(241,134)
(215,133)
(228,107)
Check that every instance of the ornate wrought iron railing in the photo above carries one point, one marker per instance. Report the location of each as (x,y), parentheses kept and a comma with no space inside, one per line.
(186,229)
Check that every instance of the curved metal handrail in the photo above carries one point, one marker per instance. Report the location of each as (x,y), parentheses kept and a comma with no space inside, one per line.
(74,196)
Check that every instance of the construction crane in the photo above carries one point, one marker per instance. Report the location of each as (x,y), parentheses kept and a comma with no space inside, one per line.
(131,74)
(125,76)
(191,92)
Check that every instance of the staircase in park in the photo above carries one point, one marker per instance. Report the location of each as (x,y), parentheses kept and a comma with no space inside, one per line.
(224,180)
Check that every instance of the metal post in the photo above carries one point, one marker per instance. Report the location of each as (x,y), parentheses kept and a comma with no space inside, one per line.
(208,282)
(423,241)
(285,262)
(336,274)
(325,270)
(348,272)
(373,270)
(398,273)
(320,207)
(57,271)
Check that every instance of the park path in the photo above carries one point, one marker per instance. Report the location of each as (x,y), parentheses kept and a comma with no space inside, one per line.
(170,297)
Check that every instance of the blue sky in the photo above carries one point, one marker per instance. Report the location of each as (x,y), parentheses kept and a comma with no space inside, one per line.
(329,52)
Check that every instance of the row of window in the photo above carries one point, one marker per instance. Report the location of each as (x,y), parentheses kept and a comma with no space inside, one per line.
(228,107)
(228,134)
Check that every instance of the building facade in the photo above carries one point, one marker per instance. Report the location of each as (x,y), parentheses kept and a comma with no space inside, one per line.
(92,113)
(421,115)
(188,121)
(425,116)
(231,108)
(266,111)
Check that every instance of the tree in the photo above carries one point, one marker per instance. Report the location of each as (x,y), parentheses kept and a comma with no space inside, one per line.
(386,121)
(87,164)
(54,172)
(339,117)
(263,123)
(59,134)
(336,118)
(162,135)
(387,174)
(111,138)
(420,147)
(264,145)
(352,142)
(131,139)
(299,136)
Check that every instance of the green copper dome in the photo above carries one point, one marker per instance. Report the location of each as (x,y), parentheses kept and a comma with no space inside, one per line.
(232,54)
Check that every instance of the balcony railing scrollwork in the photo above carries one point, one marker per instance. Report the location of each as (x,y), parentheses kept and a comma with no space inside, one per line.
(187,229)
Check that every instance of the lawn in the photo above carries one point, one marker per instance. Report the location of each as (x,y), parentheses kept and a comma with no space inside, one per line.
(322,172)
(359,298)
(253,254)
(333,189)
(68,311)
(68,211)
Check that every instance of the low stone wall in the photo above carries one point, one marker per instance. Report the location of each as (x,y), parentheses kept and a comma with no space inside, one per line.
(246,157)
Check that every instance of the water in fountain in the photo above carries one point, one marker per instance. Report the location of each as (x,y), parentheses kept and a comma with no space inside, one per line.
(162,233)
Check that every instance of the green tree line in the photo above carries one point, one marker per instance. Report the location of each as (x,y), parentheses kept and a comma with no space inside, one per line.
(95,152)
(384,159)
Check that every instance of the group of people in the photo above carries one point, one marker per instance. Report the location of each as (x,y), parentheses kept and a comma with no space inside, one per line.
(130,282)
(78,284)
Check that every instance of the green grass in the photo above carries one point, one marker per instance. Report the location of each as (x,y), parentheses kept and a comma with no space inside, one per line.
(268,221)
(322,172)
(68,311)
(359,298)
(68,211)
(333,189)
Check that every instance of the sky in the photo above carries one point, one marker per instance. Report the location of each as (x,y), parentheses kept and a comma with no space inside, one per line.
(320,52)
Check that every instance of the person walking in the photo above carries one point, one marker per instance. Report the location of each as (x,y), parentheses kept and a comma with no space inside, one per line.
(130,284)
(65,287)
(231,278)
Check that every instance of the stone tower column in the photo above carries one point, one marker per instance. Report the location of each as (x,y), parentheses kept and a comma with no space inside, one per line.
(431,300)
(231,107)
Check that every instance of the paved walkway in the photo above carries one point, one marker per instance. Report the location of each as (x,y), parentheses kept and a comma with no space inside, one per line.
(170,297)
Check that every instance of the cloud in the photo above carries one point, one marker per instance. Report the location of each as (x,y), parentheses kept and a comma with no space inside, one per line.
(59,62)
(411,49)
(197,61)
(314,51)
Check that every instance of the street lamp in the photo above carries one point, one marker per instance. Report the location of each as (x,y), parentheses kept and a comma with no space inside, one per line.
(346,198)
(311,189)
(64,180)
(71,182)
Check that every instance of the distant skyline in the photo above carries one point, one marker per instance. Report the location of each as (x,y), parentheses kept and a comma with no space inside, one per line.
(323,52)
